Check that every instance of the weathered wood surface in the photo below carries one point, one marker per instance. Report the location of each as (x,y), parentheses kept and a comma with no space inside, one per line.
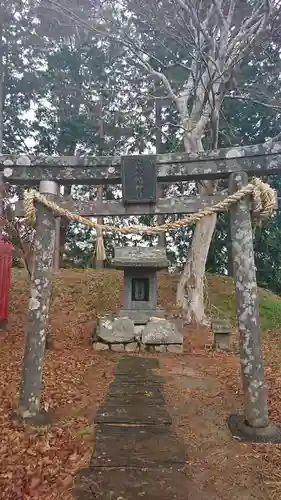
(99,263)
(181,205)
(139,179)
(38,313)
(255,394)
(171,167)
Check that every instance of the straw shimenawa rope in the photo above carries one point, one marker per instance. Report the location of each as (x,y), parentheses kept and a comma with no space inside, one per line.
(264,206)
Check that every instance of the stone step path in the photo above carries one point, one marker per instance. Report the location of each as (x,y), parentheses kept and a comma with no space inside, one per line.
(137,455)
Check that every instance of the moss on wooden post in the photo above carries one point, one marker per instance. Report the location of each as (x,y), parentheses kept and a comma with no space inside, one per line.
(255,397)
(254,425)
(38,309)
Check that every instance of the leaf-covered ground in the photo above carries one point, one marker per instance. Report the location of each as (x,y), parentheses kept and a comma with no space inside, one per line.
(41,463)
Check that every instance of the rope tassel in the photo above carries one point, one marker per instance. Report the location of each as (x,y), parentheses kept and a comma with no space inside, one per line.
(264,206)
(100,249)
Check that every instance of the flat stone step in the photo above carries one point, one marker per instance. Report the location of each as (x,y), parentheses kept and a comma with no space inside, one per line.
(139,379)
(129,388)
(146,398)
(136,370)
(132,414)
(166,483)
(136,364)
(136,447)
(138,456)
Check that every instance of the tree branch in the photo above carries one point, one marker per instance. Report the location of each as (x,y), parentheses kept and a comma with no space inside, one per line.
(217,5)
(254,101)
(255,23)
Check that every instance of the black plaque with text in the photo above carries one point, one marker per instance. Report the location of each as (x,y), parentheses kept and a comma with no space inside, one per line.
(139,179)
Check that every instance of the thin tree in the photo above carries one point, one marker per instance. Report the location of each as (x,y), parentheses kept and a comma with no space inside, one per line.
(194,48)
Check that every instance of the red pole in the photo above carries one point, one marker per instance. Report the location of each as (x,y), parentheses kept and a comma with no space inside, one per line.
(5,279)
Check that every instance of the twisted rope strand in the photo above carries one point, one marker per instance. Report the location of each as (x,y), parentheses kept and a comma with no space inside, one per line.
(263,198)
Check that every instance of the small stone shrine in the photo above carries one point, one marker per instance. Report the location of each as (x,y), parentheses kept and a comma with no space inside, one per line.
(140,266)
(141,324)
(222,335)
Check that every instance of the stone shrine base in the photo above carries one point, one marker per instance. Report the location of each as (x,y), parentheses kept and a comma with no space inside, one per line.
(123,334)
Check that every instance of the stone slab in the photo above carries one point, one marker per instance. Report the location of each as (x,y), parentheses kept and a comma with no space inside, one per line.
(115,330)
(136,447)
(161,332)
(146,398)
(141,317)
(165,483)
(137,371)
(138,378)
(144,257)
(130,388)
(133,414)
(138,364)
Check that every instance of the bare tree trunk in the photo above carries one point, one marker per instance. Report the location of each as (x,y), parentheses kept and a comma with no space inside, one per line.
(190,292)
(99,263)
(160,187)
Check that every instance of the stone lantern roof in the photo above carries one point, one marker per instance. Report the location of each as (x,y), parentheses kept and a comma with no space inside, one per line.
(140,257)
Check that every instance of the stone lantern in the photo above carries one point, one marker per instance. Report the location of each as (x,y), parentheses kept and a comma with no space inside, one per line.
(140,265)
(140,325)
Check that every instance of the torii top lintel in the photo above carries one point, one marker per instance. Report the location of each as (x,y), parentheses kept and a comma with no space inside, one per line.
(261,159)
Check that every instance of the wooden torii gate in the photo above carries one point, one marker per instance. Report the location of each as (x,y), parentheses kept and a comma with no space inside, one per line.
(139,176)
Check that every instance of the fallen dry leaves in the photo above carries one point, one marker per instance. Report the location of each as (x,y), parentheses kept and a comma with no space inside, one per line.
(42,463)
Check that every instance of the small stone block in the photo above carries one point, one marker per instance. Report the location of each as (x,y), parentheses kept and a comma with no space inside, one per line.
(117,347)
(222,342)
(160,348)
(174,348)
(132,347)
(100,346)
(221,326)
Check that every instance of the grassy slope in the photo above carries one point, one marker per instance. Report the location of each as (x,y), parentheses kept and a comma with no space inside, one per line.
(222,299)
(92,292)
